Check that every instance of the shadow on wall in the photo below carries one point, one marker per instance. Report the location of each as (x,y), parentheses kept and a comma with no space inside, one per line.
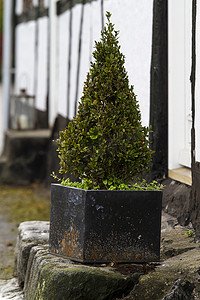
(177,201)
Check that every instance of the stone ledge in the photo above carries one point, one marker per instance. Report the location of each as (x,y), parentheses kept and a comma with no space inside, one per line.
(50,277)
(30,234)
(45,276)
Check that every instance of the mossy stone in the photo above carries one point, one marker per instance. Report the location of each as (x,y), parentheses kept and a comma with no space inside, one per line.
(53,278)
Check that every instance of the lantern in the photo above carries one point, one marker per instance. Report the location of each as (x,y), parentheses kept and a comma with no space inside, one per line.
(22,111)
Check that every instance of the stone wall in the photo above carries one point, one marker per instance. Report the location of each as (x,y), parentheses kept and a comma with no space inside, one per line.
(45,276)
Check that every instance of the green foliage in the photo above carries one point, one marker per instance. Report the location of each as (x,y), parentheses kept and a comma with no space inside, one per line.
(106,142)
(87,184)
(189,233)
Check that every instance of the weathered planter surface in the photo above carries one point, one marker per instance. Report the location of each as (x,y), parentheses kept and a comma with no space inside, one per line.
(104,226)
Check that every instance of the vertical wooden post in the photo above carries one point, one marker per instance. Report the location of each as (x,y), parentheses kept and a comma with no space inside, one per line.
(159,90)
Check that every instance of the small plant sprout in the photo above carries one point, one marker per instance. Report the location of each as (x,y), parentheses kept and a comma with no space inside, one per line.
(189,233)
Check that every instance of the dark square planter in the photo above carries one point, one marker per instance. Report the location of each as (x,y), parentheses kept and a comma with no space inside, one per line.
(103,226)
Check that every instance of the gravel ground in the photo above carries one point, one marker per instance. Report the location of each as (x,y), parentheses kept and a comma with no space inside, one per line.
(9,290)
(8,234)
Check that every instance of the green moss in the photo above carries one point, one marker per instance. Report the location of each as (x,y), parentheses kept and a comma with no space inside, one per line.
(79,283)
(156,285)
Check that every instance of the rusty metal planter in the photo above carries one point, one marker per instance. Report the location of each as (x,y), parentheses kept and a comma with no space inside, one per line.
(103,226)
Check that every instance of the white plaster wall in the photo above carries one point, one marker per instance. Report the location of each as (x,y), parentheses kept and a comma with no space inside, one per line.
(76,17)
(35,2)
(91,32)
(46,3)
(197,90)
(25,57)
(53,39)
(179,43)
(86,48)
(63,56)
(134,21)
(96,24)
(19,7)
(62,62)
(42,64)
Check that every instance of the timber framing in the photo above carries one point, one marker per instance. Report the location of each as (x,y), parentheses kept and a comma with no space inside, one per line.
(31,14)
(159,90)
(64,5)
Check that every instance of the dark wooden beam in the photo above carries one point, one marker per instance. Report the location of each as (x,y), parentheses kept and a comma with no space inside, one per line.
(159,90)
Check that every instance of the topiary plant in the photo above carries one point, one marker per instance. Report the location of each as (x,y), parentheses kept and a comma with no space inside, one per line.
(106,144)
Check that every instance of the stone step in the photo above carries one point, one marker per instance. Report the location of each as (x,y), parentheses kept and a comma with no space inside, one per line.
(24,158)
(49,277)
(23,143)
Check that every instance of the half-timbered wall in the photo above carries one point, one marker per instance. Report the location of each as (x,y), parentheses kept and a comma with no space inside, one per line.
(79,25)
(70,34)
(32,54)
(25,46)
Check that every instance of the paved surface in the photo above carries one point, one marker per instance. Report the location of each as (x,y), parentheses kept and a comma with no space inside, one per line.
(8,234)
(9,289)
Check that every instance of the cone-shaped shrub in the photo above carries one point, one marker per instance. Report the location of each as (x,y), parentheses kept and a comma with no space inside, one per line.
(106,142)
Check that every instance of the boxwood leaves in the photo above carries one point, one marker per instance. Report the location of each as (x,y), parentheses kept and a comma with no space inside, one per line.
(106,143)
